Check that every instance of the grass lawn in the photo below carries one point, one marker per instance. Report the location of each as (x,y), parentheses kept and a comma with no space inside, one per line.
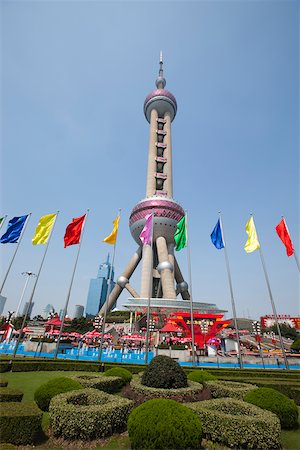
(28,382)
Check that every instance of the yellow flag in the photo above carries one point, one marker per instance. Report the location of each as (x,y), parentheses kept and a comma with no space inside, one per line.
(43,229)
(112,238)
(252,243)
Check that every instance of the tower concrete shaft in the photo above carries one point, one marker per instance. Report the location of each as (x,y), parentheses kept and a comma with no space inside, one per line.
(159,266)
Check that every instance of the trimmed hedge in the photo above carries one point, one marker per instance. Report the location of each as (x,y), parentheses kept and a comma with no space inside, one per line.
(3,382)
(32,365)
(253,373)
(290,388)
(164,372)
(119,372)
(221,389)
(181,394)
(36,365)
(10,395)
(88,414)
(106,384)
(5,366)
(165,425)
(284,408)
(173,347)
(20,423)
(56,386)
(235,423)
(201,376)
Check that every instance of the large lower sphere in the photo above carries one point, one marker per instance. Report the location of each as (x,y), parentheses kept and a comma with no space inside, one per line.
(167,214)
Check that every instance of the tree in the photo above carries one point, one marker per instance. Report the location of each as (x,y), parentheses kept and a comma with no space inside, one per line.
(17,322)
(286,331)
(81,325)
(296,345)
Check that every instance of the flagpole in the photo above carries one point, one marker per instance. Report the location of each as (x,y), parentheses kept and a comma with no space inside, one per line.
(33,290)
(149,296)
(107,296)
(14,255)
(272,303)
(231,295)
(70,288)
(191,294)
(3,220)
(295,256)
(297,260)
(273,308)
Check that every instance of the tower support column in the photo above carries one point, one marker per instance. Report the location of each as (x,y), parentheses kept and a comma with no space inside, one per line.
(183,286)
(147,271)
(151,180)
(130,268)
(165,268)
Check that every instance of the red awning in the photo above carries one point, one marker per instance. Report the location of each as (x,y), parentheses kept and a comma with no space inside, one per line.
(170,328)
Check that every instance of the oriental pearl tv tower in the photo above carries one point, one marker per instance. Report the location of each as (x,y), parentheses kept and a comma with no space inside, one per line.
(157,261)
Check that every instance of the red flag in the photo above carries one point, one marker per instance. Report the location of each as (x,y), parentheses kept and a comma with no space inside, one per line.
(283,233)
(73,231)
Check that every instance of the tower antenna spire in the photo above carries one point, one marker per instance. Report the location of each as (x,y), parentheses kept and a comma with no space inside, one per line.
(161,70)
(160,80)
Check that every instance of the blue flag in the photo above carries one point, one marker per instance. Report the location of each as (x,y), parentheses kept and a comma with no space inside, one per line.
(14,229)
(216,236)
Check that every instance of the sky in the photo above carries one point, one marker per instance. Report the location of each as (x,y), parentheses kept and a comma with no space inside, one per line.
(74,76)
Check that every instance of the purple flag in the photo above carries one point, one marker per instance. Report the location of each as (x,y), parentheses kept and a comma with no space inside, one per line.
(146,234)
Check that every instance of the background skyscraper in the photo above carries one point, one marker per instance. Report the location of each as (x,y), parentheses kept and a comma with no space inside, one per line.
(29,312)
(78,311)
(98,289)
(2,303)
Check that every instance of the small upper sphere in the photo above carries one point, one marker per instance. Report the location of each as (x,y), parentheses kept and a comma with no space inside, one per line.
(161,100)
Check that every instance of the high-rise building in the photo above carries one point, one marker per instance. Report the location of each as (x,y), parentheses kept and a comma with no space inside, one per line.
(2,303)
(48,310)
(29,312)
(98,289)
(78,311)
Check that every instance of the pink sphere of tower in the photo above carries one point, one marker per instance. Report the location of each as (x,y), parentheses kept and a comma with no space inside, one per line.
(167,214)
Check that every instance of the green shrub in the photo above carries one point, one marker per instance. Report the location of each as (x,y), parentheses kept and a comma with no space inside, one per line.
(164,372)
(279,404)
(88,414)
(10,395)
(5,366)
(119,372)
(220,389)
(235,423)
(20,423)
(133,368)
(46,391)
(201,376)
(164,424)
(3,382)
(106,384)
(185,394)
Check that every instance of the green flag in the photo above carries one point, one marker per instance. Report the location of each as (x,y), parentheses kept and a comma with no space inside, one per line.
(180,235)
